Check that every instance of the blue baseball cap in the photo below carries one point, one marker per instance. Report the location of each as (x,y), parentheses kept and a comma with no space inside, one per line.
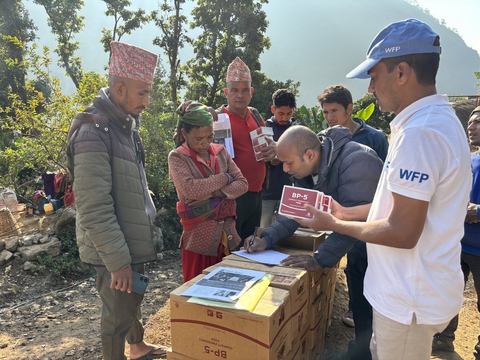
(410,36)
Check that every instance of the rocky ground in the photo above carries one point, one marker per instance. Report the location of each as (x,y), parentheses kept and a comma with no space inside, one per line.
(49,318)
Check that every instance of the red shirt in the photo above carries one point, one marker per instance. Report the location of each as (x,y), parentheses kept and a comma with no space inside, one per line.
(253,170)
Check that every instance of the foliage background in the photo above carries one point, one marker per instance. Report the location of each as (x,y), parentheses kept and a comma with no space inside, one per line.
(35,114)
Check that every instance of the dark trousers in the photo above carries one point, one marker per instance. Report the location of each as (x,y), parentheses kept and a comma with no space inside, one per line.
(121,316)
(470,264)
(249,213)
(359,349)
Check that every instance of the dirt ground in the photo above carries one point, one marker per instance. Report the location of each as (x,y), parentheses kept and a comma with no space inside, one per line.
(43,317)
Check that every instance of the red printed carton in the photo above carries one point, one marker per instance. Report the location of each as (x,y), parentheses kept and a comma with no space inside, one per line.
(294,200)
(259,141)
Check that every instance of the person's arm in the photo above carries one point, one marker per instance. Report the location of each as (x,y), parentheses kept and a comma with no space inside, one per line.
(239,184)
(401,229)
(189,186)
(280,229)
(353,213)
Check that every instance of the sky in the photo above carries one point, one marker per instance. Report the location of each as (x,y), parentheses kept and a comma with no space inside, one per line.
(463,15)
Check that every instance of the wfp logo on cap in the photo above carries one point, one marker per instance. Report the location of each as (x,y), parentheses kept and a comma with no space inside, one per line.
(392,49)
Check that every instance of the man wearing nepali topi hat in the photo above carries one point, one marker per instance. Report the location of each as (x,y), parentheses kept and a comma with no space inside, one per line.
(244,119)
(115,212)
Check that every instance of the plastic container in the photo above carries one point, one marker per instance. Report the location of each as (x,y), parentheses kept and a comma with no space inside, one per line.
(10,199)
(48,208)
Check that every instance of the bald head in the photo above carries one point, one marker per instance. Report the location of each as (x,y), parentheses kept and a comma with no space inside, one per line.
(300,139)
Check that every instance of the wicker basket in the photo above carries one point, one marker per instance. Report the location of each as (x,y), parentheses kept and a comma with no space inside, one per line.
(8,225)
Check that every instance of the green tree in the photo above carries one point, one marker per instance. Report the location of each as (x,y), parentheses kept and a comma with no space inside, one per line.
(379,120)
(158,123)
(16,30)
(41,124)
(312,118)
(171,22)
(65,23)
(230,28)
(125,21)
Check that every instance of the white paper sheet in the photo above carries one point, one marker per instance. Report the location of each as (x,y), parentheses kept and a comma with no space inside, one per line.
(224,284)
(268,257)
(223,133)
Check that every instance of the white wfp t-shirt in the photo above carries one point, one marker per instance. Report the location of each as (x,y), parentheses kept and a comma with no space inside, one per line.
(428,159)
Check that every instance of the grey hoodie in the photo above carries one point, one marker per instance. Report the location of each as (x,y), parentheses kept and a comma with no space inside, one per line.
(349,172)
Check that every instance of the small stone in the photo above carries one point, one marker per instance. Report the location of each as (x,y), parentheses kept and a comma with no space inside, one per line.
(70,353)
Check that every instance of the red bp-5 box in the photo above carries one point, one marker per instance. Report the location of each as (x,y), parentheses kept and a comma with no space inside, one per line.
(259,141)
(294,200)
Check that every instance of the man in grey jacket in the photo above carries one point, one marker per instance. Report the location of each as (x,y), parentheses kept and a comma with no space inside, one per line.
(115,213)
(347,171)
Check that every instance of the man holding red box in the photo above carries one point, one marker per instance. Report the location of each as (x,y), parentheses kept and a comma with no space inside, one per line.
(347,171)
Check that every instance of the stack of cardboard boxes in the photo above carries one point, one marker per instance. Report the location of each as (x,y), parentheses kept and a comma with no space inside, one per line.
(289,322)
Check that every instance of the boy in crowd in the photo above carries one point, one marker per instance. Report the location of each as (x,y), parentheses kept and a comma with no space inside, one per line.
(283,107)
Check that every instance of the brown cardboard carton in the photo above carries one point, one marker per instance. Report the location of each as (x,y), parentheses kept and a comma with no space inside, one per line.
(316,286)
(300,347)
(318,320)
(204,332)
(294,280)
(176,356)
(304,239)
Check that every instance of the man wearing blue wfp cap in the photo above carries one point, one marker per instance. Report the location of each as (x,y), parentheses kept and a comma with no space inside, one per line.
(414,225)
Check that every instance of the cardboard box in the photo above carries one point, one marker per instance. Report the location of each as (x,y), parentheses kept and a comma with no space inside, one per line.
(293,280)
(258,144)
(259,141)
(314,279)
(300,347)
(294,199)
(205,333)
(303,239)
(318,320)
(261,131)
(176,356)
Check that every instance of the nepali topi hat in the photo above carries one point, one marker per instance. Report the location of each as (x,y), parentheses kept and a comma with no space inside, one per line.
(238,71)
(132,62)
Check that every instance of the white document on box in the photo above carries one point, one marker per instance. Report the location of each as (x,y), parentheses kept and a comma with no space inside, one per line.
(224,284)
(268,257)
(223,133)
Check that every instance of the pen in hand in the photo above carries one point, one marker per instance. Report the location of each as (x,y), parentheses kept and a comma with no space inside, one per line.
(250,243)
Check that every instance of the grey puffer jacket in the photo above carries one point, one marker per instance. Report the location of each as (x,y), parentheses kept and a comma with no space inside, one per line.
(349,172)
(114,211)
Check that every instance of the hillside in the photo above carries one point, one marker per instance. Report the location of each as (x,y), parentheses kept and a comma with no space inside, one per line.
(316,42)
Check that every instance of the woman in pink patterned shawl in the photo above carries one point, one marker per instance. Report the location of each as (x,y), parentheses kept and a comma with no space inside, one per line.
(207,182)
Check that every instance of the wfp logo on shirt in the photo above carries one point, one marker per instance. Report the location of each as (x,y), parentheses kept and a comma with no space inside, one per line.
(413,175)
